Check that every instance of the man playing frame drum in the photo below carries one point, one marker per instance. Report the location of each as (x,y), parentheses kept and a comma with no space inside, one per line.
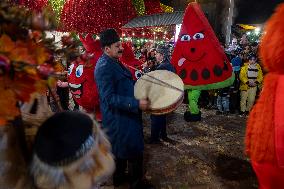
(164,89)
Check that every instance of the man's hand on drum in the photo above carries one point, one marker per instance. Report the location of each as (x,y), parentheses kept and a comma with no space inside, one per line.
(144,104)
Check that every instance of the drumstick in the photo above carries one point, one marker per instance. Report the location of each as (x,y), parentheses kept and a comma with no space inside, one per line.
(165,83)
(161,84)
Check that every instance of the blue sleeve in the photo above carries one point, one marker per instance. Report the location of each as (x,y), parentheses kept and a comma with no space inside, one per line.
(107,93)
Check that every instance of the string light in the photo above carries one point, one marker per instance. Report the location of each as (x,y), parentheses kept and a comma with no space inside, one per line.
(166,8)
(91,16)
(57,6)
(139,6)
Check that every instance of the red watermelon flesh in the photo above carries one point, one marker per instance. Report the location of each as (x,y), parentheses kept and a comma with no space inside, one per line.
(198,57)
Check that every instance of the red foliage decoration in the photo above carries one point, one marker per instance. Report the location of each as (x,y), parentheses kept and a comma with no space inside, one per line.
(37,5)
(152,7)
(93,16)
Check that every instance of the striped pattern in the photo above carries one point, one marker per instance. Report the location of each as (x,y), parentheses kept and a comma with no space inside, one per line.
(252,72)
(163,19)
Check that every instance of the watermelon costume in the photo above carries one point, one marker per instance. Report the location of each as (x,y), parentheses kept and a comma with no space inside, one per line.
(199,59)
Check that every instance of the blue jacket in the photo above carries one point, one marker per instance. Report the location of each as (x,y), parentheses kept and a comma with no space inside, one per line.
(236,63)
(122,118)
(166,65)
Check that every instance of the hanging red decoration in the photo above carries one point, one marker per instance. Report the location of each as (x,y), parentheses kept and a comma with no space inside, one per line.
(152,7)
(36,5)
(93,16)
(129,60)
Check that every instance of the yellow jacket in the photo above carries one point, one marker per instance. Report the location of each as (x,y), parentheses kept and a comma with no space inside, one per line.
(244,77)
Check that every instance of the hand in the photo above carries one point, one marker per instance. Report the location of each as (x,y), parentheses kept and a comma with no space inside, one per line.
(144,104)
(62,84)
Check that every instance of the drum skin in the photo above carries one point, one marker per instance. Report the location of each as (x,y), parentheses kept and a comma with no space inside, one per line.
(164,89)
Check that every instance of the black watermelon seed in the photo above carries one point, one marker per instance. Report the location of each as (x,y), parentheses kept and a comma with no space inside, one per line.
(217,70)
(194,75)
(182,74)
(205,74)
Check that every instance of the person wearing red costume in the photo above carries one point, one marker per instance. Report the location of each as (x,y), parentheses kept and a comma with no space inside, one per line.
(265,127)
(199,59)
(81,77)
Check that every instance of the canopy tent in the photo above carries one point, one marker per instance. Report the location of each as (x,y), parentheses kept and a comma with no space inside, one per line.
(163,19)
(156,26)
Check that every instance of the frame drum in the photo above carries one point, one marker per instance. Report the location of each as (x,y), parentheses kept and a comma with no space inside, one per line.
(164,89)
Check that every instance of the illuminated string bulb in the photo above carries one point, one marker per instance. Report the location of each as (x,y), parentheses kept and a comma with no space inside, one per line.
(57,6)
(166,8)
(133,33)
(139,6)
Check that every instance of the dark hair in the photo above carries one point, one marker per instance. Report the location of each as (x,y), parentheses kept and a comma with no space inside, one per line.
(251,56)
(108,37)
(152,59)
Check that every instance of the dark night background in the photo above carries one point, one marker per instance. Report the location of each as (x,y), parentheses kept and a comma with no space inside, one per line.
(255,11)
(247,11)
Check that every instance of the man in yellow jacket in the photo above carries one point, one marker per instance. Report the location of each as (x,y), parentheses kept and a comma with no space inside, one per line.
(251,77)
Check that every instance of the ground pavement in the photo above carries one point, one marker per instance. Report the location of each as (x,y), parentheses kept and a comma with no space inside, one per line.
(206,155)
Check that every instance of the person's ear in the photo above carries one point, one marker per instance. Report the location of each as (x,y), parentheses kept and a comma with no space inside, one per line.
(107,49)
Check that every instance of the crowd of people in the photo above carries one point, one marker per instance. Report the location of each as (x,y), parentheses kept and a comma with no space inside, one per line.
(121,112)
(240,97)
(236,99)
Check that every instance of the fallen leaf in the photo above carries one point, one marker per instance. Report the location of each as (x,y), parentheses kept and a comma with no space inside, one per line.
(41,86)
(8,104)
(21,54)
(6,44)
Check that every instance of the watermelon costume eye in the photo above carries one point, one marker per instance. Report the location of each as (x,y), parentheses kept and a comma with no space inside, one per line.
(198,36)
(185,38)
(138,74)
(79,71)
(70,69)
